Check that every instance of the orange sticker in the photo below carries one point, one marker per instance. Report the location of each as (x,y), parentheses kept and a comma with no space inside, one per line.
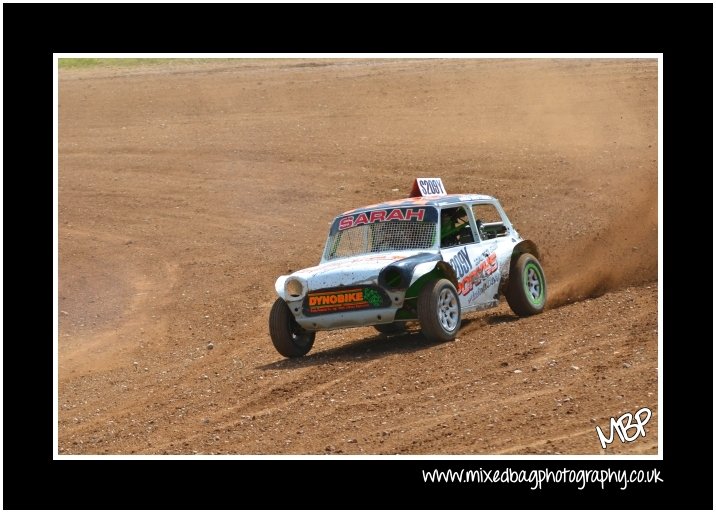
(324,302)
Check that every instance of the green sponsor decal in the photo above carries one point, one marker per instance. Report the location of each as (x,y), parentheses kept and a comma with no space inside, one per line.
(372,297)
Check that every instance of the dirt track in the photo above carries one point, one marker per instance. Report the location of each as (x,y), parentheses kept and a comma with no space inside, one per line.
(185,190)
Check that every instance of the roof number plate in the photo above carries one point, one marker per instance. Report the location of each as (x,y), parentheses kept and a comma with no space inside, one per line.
(428,187)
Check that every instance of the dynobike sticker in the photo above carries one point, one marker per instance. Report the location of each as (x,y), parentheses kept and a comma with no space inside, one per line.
(343,300)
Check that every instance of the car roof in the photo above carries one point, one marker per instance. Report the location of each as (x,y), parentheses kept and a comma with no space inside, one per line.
(432,201)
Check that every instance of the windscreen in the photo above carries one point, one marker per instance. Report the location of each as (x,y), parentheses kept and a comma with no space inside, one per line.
(376,231)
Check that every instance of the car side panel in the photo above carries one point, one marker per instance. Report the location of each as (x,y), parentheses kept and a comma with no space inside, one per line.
(479,268)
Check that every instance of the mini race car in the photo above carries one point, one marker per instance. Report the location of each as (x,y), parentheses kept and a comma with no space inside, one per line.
(429,258)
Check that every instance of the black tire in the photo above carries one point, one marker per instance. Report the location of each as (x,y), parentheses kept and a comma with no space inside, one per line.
(526,290)
(391,329)
(288,337)
(439,310)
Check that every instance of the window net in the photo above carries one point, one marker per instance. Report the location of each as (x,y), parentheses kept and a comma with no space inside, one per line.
(380,237)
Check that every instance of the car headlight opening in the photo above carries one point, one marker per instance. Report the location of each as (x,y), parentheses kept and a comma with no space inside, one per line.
(294,289)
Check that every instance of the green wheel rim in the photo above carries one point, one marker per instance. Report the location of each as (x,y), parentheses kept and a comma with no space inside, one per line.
(533,282)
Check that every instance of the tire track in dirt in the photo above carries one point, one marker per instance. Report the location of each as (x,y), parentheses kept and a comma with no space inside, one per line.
(640,445)
(97,347)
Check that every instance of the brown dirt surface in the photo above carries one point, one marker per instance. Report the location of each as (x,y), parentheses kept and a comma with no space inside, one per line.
(186,190)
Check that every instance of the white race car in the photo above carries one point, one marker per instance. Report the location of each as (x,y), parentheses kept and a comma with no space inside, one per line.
(429,258)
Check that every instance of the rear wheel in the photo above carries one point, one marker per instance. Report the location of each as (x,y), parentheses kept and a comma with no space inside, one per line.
(391,329)
(288,337)
(526,291)
(439,310)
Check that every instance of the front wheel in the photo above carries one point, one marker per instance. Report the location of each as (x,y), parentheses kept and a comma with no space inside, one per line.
(526,291)
(439,310)
(288,337)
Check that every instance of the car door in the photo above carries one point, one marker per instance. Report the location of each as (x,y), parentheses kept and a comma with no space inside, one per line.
(475,260)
